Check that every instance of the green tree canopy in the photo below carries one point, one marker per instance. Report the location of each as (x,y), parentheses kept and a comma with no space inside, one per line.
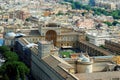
(115,22)
(4,49)
(11,56)
(108,23)
(102,46)
(98,11)
(87,38)
(14,69)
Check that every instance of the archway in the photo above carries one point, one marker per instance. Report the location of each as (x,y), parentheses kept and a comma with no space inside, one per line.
(51,35)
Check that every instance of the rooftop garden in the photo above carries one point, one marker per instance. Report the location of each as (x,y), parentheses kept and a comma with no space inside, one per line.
(65,53)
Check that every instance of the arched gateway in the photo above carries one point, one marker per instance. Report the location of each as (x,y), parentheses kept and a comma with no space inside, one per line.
(51,35)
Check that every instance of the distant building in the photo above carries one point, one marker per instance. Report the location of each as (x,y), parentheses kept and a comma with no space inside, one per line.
(22,14)
(39,47)
(85,23)
(103,18)
(108,4)
(113,46)
(39,50)
(98,37)
(47,66)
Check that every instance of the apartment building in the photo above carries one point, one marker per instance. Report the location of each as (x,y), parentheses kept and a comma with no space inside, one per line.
(98,37)
(108,4)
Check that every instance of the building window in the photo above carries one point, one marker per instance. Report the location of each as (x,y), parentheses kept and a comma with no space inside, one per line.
(74,44)
(61,44)
(67,44)
(64,38)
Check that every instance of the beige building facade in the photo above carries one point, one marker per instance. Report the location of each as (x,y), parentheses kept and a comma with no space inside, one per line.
(42,58)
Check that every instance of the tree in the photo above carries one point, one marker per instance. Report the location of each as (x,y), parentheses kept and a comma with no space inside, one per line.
(15,70)
(18,75)
(23,70)
(4,49)
(98,11)
(2,69)
(12,69)
(27,19)
(11,56)
(71,1)
(86,7)
(115,22)
(78,5)
(87,39)
(108,23)
(6,77)
(73,6)
(102,46)
(60,13)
